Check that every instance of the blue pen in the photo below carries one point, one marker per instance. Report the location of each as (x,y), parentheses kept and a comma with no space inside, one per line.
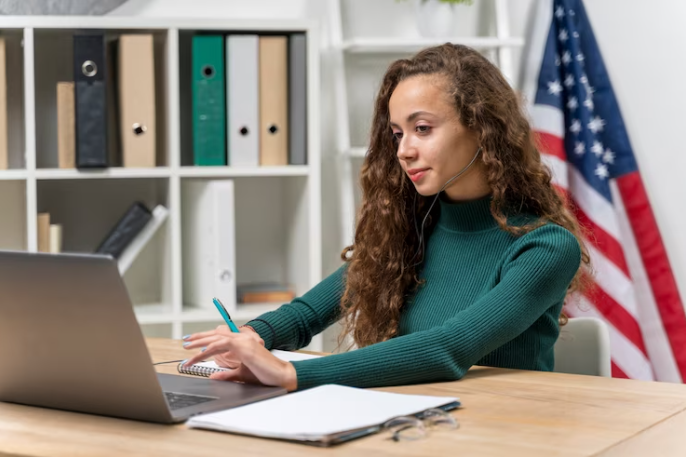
(225,315)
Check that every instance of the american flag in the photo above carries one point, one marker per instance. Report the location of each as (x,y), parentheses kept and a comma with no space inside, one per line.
(584,142)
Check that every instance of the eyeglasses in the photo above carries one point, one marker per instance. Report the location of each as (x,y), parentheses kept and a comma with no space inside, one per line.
(410,428)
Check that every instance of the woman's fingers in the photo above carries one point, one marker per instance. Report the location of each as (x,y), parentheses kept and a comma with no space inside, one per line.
(220,330)
(202,342)
(217,347)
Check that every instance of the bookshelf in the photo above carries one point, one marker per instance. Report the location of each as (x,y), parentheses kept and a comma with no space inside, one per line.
(277,208)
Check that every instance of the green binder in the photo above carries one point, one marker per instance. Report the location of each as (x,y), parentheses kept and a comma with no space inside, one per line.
(209,100)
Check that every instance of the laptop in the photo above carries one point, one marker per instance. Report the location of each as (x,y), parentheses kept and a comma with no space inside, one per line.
(69,340)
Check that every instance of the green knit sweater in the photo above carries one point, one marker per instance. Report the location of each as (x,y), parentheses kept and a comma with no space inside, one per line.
(490,298)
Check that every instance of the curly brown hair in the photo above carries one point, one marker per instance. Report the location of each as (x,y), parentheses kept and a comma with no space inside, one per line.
(381,273)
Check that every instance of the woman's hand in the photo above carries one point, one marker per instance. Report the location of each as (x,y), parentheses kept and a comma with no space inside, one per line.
(226,359)
(251,361)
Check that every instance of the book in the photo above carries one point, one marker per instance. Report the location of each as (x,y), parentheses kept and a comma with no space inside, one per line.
(264,292)
(66,146)
(159,215)
(43,225)
(209,367)
(55,238)
(126,229)
(267,297)
(324,415)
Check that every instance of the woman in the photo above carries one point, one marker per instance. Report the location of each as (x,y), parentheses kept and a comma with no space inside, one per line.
(463,252)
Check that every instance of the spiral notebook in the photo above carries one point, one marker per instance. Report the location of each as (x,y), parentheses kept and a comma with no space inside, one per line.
(207,368)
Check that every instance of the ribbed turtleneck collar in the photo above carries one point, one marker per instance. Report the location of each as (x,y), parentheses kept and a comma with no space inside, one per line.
(470,216)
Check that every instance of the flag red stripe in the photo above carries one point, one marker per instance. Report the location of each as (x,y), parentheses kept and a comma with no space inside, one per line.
(616,315)
(656,264)
(617,372)
(608,245)
(551,144)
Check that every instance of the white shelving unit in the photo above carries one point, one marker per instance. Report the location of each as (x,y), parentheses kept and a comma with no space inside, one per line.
(277,209)
(349,156)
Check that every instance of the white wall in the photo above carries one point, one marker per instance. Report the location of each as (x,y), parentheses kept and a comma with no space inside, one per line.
(641,51)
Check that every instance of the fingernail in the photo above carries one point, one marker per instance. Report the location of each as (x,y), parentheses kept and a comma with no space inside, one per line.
(183,362)
(186,344)
(203,349)
(186,337)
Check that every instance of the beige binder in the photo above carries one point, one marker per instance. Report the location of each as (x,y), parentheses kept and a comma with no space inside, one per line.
(273,100)
(66,133)
(55,238)
(4,160)
(43,232)
(137,100)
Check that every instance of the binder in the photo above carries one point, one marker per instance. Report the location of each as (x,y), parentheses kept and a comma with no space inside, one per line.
(273,100)
(66,147)
(242,55)
(126,229)
(90,94)
(297,91)
(4,157)
(136,74)
(209,113)
(129,254)
(209,246)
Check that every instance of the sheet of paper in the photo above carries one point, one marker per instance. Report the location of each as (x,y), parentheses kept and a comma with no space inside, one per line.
(317,412)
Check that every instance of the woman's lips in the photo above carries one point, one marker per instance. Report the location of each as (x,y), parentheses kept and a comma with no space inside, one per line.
(417,173)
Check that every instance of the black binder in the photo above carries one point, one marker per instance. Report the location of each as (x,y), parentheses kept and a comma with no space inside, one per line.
(127,228)
(90,97)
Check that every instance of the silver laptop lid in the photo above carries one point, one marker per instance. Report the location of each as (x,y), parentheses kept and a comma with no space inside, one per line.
(50,357)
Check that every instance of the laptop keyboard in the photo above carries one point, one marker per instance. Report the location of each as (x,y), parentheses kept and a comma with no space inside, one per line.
(178,400)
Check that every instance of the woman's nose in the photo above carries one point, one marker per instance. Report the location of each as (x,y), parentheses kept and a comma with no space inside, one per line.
(406,150)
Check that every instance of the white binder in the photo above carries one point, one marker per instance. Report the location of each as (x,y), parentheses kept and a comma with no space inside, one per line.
(209,246)
(242,55)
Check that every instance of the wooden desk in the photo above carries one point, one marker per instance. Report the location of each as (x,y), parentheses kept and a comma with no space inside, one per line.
(506,412)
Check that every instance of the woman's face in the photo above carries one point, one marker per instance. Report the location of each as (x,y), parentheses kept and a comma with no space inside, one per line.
(433,145)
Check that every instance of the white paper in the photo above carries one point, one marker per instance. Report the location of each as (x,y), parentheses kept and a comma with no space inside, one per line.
(312,414)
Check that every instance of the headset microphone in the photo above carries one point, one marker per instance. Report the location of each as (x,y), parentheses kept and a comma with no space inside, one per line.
(421,235)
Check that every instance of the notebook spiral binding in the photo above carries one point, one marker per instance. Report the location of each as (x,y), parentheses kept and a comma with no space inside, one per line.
(197,370)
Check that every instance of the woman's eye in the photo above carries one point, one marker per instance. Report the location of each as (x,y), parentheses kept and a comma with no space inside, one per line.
(397,135)
(423,128)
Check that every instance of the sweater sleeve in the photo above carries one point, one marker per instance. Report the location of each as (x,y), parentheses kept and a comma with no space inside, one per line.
(535,276)
(293,325)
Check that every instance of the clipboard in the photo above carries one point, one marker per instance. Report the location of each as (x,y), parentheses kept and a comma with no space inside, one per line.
(322,416)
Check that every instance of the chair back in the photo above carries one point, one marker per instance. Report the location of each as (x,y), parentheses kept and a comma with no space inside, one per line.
(583,347)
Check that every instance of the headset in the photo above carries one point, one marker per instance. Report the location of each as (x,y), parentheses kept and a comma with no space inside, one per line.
(414,206)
